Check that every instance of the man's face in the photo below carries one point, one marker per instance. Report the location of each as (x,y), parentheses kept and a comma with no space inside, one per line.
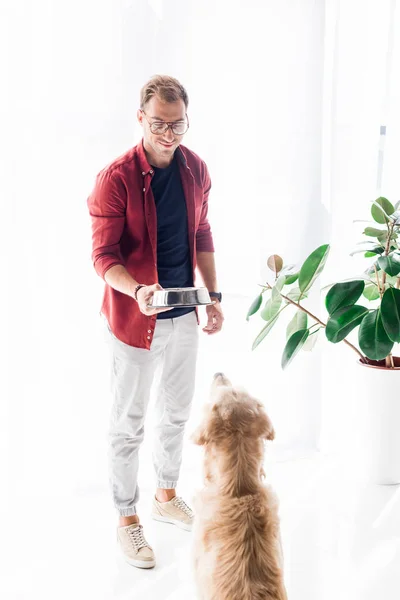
(161,146)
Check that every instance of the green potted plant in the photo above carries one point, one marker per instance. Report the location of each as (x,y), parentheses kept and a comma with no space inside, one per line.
(369,303)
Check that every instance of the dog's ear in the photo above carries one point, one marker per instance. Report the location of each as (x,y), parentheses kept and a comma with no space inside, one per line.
(264,427)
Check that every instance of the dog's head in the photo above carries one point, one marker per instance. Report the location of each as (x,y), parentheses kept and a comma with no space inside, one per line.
(232,412)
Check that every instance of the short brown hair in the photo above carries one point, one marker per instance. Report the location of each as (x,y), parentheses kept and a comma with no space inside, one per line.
(168,89)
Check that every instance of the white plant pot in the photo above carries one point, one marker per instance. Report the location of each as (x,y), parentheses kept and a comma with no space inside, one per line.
(375,424)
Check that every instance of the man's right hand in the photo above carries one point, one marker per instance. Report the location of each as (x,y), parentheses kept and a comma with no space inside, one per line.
(144,297)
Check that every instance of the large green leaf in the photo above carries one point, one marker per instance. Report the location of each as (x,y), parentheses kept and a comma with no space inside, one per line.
(291,278)
(372,247)
(293,346)
(343,294)
(371,269)
(374,232)
(255,305)
(280,282)
(272,305)
(311,340)
(359,251)
(372,337)
(371,291)
(392,279)
(295,294)
(371,253)
(329,285)
(265,330)
(382,239)
(312,267)
(381,209)
(343,321)
(299,321)
(366,242)
(390,313)
(390,264)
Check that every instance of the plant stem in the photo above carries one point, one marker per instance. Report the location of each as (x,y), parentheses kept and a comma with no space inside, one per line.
(363,358)
(389,364)
(377,281)
(389,358)
(387,250)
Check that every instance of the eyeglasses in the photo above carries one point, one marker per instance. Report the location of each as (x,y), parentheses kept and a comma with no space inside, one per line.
(160,127)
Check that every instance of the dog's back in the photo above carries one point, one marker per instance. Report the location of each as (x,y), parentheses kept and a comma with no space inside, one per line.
(238,554)
(243,536)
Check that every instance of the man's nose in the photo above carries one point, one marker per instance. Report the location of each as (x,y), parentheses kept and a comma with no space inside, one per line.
(169,135)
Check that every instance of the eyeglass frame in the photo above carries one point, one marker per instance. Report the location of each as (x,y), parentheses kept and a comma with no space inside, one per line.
(169,124)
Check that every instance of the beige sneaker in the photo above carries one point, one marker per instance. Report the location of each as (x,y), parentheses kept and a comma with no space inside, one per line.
(134,547)
(175,511)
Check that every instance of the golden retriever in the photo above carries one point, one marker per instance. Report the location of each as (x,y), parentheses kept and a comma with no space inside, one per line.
(237,547)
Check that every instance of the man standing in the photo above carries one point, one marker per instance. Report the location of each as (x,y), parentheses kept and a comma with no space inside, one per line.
(150,231)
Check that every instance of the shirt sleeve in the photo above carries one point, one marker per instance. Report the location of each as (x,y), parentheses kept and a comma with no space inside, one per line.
(107,209)
(204,238)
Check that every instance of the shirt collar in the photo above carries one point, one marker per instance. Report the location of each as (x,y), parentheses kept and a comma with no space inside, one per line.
(144,164)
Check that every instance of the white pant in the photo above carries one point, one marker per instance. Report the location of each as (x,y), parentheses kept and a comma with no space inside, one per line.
(174,346)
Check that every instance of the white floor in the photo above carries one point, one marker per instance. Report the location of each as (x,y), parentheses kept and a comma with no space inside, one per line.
(57,532)
(340,540)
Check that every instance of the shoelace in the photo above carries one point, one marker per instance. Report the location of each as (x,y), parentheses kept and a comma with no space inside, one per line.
(180,503)
(137,537)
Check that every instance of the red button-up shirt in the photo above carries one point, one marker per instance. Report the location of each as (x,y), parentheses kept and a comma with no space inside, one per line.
(124,232)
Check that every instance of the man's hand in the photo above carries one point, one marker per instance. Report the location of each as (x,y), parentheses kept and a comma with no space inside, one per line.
(144,296)
(215,318)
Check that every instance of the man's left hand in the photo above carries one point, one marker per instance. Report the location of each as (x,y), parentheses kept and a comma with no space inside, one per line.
(215,318)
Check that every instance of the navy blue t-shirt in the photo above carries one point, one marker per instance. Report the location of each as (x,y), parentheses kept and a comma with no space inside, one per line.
(173,253)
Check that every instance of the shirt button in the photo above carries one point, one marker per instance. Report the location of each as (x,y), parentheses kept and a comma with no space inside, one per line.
(151,171)
(144,189)
(149,331)
(148,337)
(143,173)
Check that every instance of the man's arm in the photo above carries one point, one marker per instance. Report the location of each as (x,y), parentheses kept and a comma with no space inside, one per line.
(107,206)
(206,260)
(207,270)
(204,238)
(119,279)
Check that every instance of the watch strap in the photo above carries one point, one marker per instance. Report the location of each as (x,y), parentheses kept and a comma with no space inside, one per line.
(137,288)
(216,295)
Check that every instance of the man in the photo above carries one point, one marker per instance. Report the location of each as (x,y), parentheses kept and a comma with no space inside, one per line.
(150,231)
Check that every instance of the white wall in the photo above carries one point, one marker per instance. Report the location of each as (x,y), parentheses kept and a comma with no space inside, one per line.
(256,82)
(362,92)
